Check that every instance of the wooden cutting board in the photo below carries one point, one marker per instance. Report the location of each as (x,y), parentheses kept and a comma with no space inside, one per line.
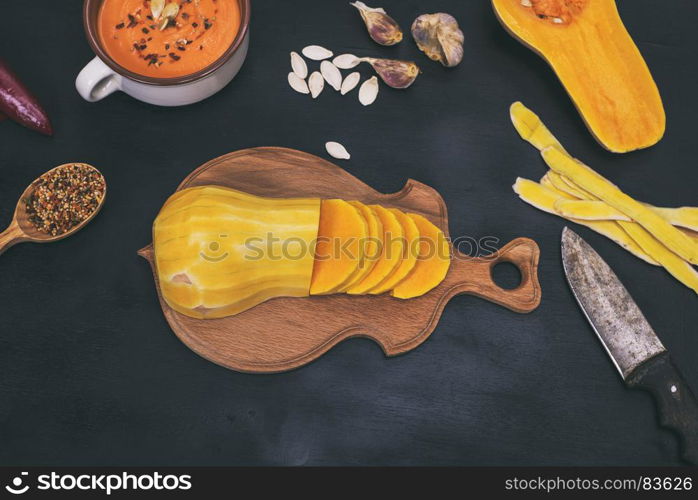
(285,333)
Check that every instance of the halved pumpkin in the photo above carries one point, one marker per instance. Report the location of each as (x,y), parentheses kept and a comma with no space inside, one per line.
(432,263)
(597,61)
(338,251)
(391,252)
(409,254)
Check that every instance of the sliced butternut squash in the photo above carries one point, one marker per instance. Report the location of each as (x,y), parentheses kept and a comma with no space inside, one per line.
(409,253)
(588,47)
(338,252)
(219,251)
(371,246)
(433,261)
(391,252)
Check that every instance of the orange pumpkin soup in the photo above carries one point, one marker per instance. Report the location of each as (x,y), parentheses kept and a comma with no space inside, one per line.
(167,39)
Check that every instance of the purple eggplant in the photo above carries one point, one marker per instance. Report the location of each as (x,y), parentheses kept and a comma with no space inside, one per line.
(20,105)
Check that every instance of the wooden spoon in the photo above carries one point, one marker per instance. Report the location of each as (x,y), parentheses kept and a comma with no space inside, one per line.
(21,229)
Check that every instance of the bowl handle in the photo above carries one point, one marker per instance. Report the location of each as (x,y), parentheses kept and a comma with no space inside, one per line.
(96,81)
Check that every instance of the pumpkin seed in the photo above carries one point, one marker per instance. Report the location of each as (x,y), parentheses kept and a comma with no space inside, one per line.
(350,82)
(156,7)
(297,83)
(368,91)
(336,150)
(346,61)
(317,53)
(316,83)
(168,14)
(331,75)
(298,65)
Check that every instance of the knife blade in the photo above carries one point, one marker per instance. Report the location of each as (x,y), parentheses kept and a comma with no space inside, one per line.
(630,341)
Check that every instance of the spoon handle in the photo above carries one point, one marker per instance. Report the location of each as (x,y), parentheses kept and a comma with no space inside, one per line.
(11,236)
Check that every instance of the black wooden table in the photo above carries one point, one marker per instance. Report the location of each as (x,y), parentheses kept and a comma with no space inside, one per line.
(91,374)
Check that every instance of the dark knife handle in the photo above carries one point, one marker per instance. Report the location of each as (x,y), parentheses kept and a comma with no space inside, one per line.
(678,407)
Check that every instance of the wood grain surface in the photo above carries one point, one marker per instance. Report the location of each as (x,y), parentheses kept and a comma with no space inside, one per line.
(285,333)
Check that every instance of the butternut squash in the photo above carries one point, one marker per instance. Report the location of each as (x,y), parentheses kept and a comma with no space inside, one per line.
(433,261)
(409,253)
(588,47)
(216,250)
(219,251)
(338,253)
(391,252)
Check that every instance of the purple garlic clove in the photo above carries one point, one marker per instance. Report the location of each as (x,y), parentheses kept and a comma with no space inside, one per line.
(395,74)
(382,28)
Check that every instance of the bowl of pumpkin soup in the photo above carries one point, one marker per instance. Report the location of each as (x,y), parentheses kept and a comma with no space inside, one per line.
(164,52)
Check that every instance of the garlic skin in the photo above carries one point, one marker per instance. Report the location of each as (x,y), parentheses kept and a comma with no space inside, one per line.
(439,37)
(382,28)
(396,74)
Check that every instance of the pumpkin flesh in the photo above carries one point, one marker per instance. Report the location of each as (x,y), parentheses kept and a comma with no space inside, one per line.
(371,247)
(409,253)
(338,252)
(392,246)
(599,65)
(432,264)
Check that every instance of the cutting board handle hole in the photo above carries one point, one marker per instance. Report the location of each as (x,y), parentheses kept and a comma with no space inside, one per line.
(506,275)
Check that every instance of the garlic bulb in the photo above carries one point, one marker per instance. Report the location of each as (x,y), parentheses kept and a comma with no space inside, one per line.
(438,36)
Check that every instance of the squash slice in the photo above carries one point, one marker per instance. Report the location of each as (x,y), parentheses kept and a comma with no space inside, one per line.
(338,252)
(433,261)
(409,253)
(588,47)
(391,252)
(371,247)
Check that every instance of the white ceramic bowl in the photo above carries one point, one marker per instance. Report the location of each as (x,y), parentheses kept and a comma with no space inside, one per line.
(103,76)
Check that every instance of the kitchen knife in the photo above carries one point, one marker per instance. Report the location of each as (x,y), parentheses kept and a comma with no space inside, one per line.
(640,357)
